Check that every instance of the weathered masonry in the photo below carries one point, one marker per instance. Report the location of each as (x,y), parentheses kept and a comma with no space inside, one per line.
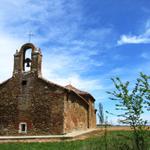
(32,105)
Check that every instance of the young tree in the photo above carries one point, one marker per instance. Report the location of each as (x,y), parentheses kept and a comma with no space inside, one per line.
(100,113)
(131,103)
(145,86)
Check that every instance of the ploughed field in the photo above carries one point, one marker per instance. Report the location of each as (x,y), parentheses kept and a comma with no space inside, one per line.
(112,139)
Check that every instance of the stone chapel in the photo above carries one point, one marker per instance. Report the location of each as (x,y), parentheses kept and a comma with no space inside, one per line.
(31,105)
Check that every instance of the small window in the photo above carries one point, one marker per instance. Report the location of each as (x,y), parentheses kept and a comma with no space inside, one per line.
(24,82)
(23,127)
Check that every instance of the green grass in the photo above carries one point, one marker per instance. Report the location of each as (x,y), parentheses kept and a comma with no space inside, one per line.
(117,140)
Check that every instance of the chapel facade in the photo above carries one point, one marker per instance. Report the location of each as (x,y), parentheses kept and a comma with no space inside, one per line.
(31,105)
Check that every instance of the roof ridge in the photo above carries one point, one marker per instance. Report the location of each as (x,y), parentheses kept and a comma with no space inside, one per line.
(64,87)
(69,86)
(46,80)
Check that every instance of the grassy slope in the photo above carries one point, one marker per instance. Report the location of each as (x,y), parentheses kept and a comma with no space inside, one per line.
(115,139)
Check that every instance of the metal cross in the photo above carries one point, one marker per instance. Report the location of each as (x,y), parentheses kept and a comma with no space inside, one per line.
(30,34)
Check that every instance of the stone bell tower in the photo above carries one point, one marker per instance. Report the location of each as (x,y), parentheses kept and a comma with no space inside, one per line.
(27,64)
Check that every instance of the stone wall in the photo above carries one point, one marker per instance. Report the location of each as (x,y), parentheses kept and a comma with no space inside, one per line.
(92,114)
(75,113)
(26,98)
(50,106)
(8,106)
(45,107)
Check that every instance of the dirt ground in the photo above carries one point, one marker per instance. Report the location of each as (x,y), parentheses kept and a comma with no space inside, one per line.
(119,128)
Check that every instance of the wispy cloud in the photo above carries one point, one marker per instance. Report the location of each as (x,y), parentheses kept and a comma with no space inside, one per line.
(76,80)
(68,50)
(145,55)
(8,46)
(127,39)
(136,39)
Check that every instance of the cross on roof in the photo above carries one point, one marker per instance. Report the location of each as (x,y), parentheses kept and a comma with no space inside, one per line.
(30,34)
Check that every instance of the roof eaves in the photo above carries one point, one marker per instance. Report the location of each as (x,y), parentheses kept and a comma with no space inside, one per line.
(49,82)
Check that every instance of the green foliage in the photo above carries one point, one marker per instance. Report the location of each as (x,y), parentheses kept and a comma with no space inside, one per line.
(132,102)
(145,87)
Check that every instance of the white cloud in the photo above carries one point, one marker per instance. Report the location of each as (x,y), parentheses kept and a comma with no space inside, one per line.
(8,47)
(127,39)
(98,33)
(74,79)
(50,22)
(136,39)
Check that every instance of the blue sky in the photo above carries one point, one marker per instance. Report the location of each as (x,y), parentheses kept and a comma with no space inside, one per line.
(84,43)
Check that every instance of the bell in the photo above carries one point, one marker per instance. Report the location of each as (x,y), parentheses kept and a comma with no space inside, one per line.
(28,64)
(28,61)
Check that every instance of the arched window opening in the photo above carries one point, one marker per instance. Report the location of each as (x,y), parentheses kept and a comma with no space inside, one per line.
(27,60)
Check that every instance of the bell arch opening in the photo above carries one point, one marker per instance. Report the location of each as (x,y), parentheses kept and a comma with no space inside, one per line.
(27,59)
(26,56)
